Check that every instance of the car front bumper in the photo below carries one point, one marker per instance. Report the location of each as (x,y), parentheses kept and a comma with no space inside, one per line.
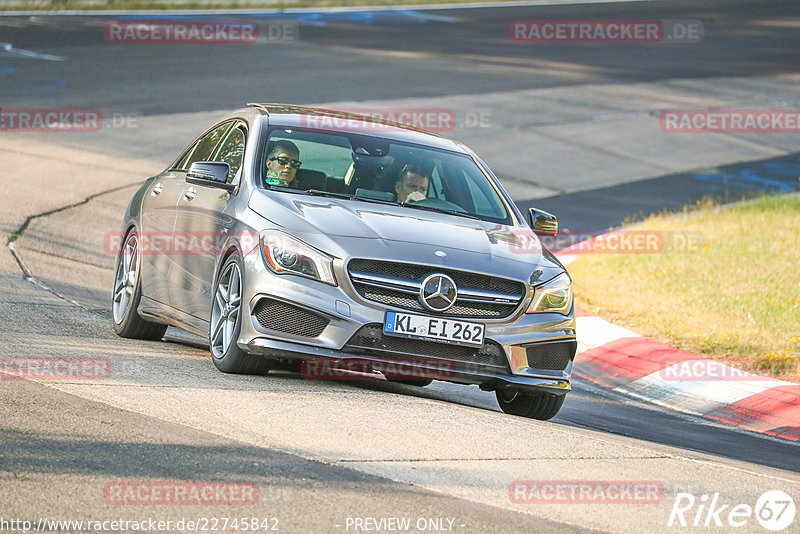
(311,321)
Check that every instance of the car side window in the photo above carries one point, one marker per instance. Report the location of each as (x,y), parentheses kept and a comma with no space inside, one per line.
(205,146)
(232,151)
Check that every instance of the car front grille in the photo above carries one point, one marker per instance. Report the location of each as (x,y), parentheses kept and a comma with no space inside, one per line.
(371,340)
(397,284)
(284,317)
(550,356)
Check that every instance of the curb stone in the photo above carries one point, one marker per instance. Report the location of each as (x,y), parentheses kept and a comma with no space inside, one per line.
(623,361)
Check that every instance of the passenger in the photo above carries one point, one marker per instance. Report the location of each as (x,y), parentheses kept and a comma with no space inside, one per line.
(283,160)
(412,184)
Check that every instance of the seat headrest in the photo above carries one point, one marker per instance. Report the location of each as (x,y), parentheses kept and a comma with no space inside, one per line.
(311,179)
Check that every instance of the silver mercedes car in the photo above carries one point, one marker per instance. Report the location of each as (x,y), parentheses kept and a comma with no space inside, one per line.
(349,248)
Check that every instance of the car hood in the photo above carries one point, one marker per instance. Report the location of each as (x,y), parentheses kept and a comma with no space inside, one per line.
(353,228)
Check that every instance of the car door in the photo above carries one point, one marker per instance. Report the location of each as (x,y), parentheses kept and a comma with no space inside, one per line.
(161,211)
(157,225)
(204,221)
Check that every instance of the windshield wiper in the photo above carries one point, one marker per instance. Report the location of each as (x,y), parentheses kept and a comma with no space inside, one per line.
(443,210)
(312,192)
(347,196)
(320,193)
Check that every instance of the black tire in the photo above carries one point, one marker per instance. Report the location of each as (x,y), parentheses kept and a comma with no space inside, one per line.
(542,406)
(421,383)
(127,294)
(224,330)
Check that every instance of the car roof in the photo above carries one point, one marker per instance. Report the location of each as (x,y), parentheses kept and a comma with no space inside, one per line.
(330,120)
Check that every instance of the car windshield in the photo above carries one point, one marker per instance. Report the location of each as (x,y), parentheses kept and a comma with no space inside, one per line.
(379,170)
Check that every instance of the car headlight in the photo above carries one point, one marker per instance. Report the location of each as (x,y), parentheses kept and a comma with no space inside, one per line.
(285,254)
(553,297)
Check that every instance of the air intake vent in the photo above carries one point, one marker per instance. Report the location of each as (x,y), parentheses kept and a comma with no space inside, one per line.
(551,356)
(283,317)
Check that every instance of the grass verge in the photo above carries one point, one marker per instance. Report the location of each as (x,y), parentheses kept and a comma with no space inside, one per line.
(725,285)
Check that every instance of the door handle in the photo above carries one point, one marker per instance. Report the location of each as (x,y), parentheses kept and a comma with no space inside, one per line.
(157,190)
(190,193)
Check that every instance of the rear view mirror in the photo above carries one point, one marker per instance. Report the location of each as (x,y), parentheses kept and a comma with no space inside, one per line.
(210,174)
(369,146)
(542,223)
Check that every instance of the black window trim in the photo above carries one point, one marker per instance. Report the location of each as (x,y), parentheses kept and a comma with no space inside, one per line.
(238,124)
(190,149)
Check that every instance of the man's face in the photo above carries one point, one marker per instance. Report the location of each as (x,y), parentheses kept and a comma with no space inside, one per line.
(411,182)
(285,172)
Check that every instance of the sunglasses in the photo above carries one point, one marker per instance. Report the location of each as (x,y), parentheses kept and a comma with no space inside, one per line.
(283,160)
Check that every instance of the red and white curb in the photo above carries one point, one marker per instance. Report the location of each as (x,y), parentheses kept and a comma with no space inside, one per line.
(623,361)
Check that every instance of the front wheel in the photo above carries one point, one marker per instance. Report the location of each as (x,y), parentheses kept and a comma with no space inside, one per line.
(537,405)
(128,292)
(226,323)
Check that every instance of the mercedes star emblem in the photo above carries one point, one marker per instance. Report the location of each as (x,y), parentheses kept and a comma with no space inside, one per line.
(438,292)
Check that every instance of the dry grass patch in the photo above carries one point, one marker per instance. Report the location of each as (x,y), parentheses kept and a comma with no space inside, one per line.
(733,294)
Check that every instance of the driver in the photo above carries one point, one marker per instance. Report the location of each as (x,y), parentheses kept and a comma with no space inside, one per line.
(412,184)
(283,160)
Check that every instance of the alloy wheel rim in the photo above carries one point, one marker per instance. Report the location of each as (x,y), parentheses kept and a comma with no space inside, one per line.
(225,310)
(125,277)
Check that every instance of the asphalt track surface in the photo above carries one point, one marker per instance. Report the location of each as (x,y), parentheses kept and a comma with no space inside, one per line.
(344,57)
(172,417)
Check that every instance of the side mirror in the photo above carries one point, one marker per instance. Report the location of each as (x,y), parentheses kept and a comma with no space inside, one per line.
(542,223)
(210,174)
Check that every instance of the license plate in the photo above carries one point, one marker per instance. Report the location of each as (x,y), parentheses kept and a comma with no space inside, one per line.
(433,329)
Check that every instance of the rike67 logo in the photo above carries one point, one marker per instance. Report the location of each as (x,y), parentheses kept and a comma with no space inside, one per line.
(774,510)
